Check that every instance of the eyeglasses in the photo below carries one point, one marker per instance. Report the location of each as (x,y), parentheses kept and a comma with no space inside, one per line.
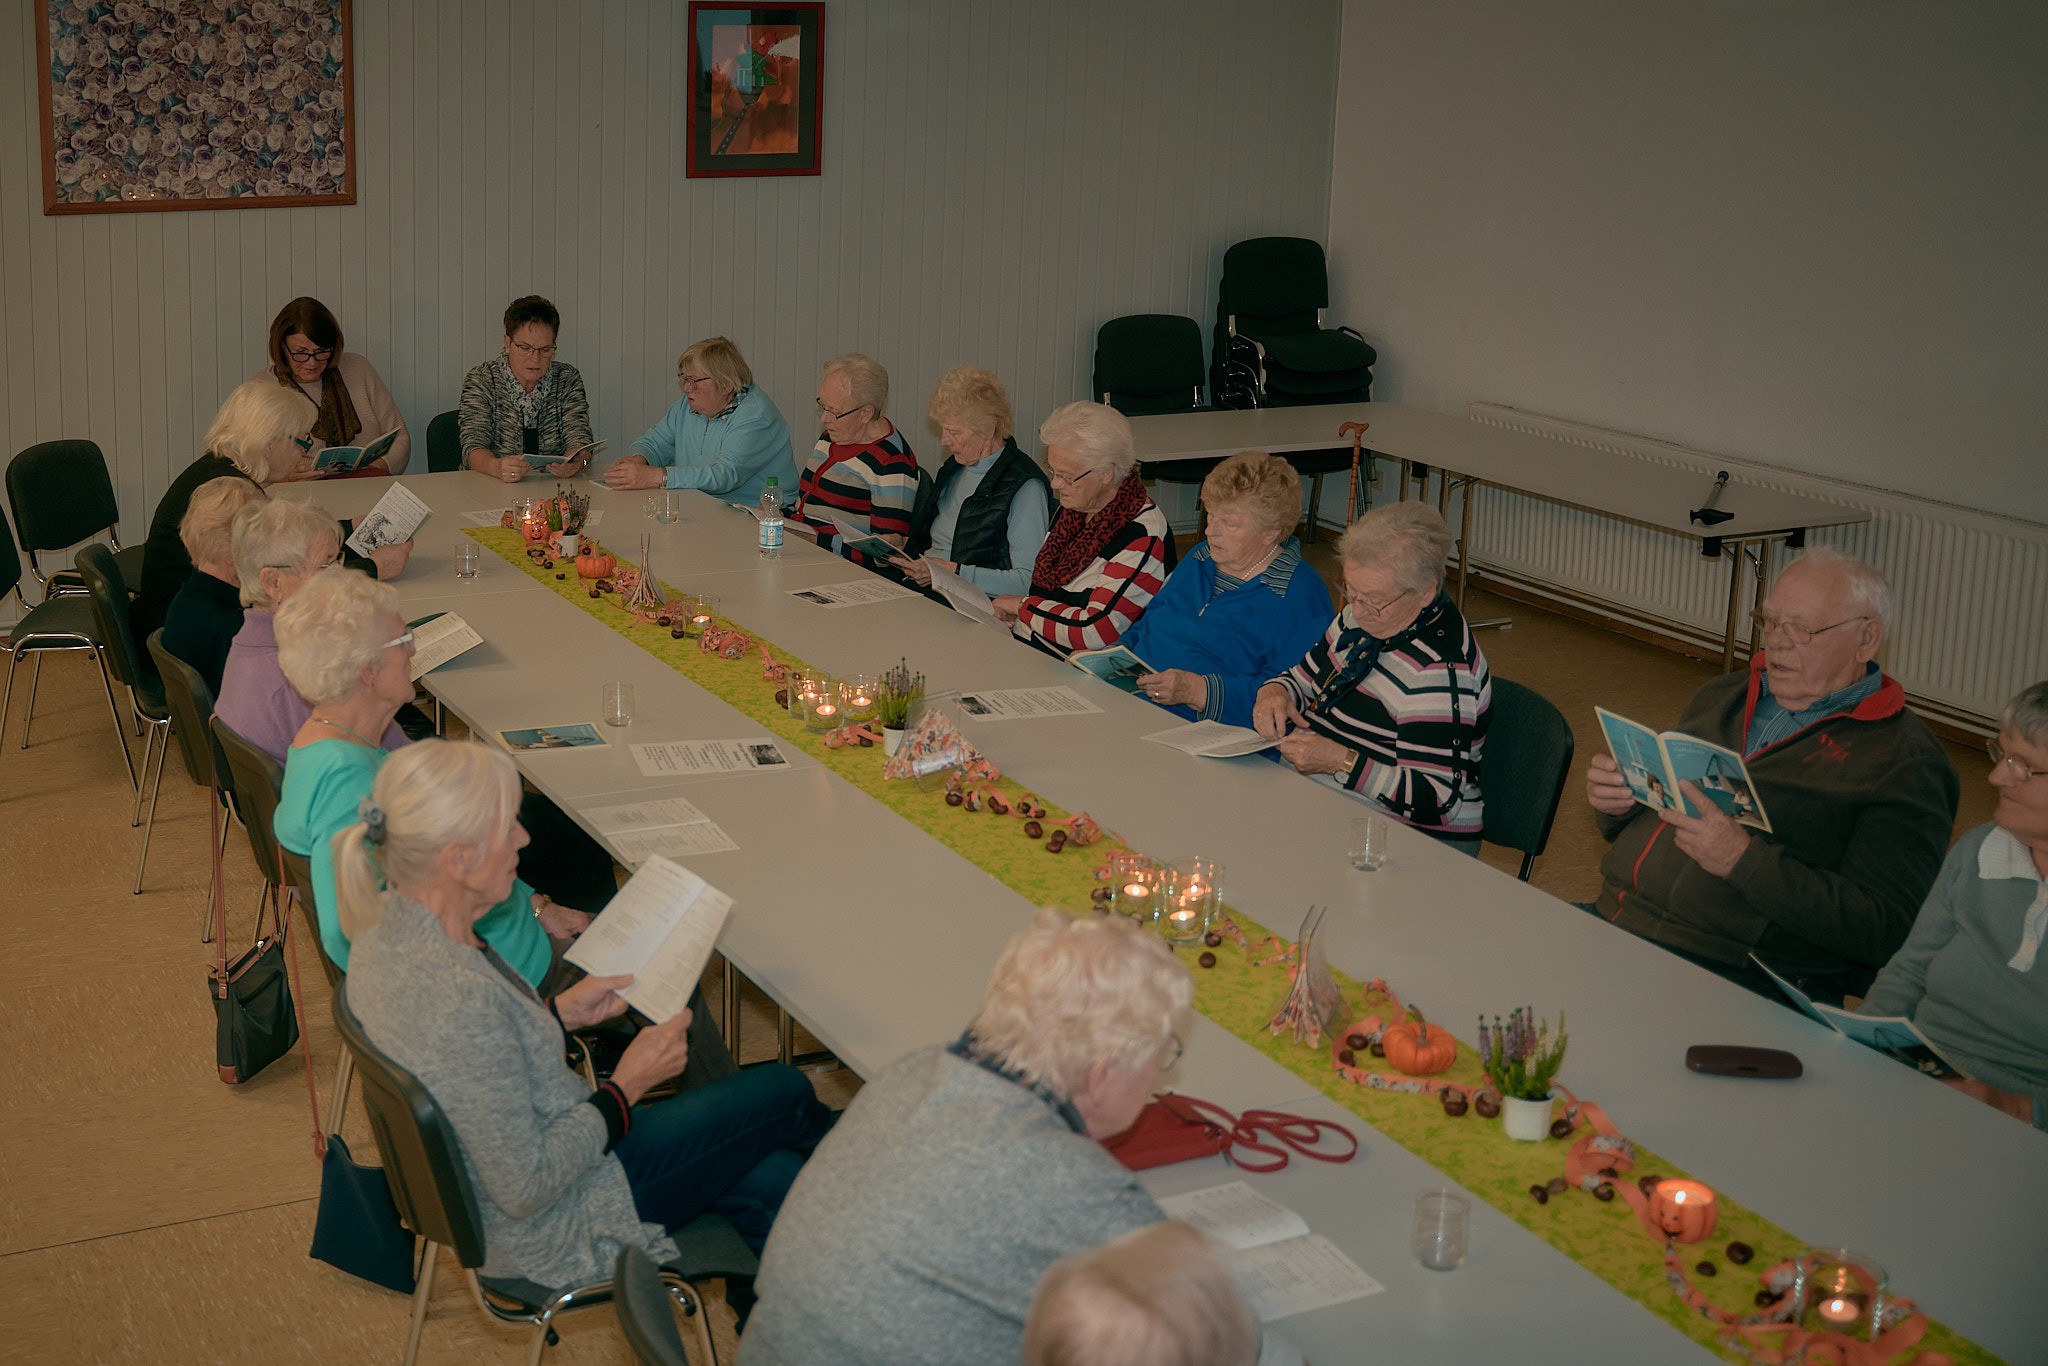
(533,352)
(831,416)
(2000,759)
(324,353)
(302,568)
(691,381)
(1765,624)
(407,640)
(1371,608)
(1173,1053)
(1067,481)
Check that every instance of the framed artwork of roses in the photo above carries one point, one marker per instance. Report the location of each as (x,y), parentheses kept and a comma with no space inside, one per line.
(194,104)
(756,86)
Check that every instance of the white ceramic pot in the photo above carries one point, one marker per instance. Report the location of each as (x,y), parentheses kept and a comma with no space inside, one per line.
(892,739)
(1528,1120)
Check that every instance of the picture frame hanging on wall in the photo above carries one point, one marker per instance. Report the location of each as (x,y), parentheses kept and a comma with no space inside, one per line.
(151,105)
(756,101)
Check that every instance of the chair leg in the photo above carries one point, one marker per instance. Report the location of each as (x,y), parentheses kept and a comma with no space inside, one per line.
(1315,505)
(1528,863)
(690,1300)
(212,872)
(161,736)
(430,1256)
(344,1073)
(113,710)
(35,678)
(149,739)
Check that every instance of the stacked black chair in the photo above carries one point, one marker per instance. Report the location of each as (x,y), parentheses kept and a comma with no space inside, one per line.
(1522,769)
(59,623)
(61,495)
(107,590)
(444,443)
(1269,312)
(431,1187)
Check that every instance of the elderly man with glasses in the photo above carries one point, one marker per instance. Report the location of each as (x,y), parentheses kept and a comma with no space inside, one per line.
(862,472)
(1860,795)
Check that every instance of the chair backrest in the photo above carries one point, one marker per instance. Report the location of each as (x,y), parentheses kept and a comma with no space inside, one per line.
(191,707)
(1273,285)
(1148,363)
(256,779)
(444,442)
(1522,769)
(646,1314)
(108,589)
(61,494)
(10,561)
(422,1156)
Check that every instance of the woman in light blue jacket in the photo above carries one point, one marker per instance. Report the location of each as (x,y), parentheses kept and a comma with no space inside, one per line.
(723,435)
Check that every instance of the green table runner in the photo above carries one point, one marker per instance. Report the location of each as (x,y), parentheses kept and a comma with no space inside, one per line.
(1239,995)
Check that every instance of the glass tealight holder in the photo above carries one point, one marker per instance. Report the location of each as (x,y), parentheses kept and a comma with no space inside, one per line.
(815,699)
(1839,1291)
(857,697)
(698,614)
(1134,885)
(1190,894)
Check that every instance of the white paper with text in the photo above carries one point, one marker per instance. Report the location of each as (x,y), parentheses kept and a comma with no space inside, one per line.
(660,928)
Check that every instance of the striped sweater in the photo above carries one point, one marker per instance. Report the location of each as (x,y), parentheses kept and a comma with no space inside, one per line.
(1093,609)
(1415,723)
(872,484)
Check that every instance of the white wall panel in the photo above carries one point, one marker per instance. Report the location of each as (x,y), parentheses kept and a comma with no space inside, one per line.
(998,180)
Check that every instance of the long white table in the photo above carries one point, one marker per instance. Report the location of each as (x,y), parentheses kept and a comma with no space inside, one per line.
(879,939)
(1469,453)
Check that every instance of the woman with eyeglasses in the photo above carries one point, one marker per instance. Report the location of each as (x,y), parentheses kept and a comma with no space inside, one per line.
(862,471)
(1971,975)
(1105,555)
(525,403)
(1391,704)
(723,436)
(307,355)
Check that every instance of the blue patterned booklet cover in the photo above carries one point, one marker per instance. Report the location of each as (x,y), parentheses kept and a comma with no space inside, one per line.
(1655,763)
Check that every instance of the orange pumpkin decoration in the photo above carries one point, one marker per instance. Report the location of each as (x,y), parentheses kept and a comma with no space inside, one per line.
(535,529)
(1418,1050)
(593,563)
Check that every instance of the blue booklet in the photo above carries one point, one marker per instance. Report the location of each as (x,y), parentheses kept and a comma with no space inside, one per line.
(1654,763)
(1893,1034)
(347,459)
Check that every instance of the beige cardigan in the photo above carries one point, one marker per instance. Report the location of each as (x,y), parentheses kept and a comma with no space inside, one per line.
(375,407)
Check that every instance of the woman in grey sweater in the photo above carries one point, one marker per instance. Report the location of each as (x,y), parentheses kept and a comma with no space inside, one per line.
(565,1176)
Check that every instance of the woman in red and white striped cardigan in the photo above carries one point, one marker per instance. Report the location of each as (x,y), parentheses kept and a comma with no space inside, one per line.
(1105,555)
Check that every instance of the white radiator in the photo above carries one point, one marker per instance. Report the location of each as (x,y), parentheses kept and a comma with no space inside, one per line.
(1972,624)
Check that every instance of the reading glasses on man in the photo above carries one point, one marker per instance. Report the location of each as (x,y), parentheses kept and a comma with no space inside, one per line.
(324,353)
(537,352)
(2000,759)
(1799,635)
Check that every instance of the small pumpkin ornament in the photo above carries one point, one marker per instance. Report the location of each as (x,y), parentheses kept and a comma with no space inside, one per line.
(593,563)
(1419,1049)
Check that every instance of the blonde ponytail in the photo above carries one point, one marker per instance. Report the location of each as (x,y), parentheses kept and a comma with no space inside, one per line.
(427,796)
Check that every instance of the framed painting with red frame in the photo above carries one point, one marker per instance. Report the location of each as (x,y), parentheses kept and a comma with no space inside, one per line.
(756,89)
(194,104)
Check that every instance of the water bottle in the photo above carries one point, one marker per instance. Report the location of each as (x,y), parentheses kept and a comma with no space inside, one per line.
(770,513)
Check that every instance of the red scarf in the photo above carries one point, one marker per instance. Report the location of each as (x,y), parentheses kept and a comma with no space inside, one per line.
(1075,541)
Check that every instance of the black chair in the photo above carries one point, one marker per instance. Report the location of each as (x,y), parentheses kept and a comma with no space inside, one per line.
(108,593)
(431,1187)
(1269,308)
(1149,363)
(191,707)
(1522,769)
(444,442)
(645,1317)
(254,781)
(61,495)
(63,623)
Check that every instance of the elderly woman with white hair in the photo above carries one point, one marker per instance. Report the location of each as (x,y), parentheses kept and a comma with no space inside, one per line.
(207,612)
(344,646)
(724,436)
(987,510)
(1391,704)
(862,471)
(1105,555)
(1158,1296)
(960,1173)
(1968,975)
(1239,607)
(564,1175)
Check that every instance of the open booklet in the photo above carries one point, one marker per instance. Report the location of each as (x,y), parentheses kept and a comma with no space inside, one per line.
(1115,666)
(396,517)
(437,638)
(863,540)
(1212,740)
(1281,1267)
(348,459)
(660,928)
(1893,1034)
(966,598)
(543,461)
(1654,764)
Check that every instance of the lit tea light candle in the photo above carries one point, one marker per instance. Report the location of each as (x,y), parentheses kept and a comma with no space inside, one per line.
(1135,889)
(826,711)
(1685,1210)
(1843,1311)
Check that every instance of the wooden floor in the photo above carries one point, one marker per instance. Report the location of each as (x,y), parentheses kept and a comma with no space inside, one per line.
(149,1213)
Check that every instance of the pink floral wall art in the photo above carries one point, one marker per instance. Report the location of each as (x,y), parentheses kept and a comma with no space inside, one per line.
(194,104)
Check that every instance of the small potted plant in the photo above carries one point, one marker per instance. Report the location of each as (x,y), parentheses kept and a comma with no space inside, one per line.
(899,693)
(567,513)
(1520,1059)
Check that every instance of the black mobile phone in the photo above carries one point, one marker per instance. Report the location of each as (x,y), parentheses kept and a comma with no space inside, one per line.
(1739,1060)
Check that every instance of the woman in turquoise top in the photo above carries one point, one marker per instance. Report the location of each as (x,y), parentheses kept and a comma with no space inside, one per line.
(343,644)
(723,435)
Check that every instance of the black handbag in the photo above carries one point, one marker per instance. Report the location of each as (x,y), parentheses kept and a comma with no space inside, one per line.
(254,1024)
(357,1228)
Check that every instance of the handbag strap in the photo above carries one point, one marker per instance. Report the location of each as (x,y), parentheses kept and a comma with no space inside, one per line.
(220,901)
(1251,1130)
(291,953)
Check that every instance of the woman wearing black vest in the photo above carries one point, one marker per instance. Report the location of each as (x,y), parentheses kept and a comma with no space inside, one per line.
(987,511)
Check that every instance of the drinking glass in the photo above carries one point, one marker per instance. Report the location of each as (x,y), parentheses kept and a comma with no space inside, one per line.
(466,559)
(615,704)
(1438,1242)
(1368,847)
